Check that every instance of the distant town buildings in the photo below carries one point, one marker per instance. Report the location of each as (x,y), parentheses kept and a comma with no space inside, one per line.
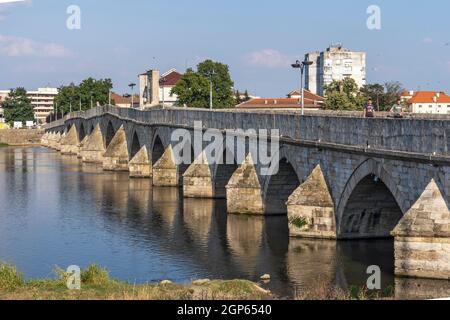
(434,102)
(124,101)
(155,89)
(42,101)
(335,63)
(291,103)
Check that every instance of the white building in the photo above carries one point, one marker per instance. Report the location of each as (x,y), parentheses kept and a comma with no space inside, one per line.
(155,89)
(335,63)
(434,102)
(42,101)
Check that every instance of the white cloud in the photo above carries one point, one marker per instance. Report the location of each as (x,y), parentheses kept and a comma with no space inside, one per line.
(270,58)
(10,1)
(21,47)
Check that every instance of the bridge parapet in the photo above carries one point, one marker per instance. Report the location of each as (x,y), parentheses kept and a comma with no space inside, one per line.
(413,134)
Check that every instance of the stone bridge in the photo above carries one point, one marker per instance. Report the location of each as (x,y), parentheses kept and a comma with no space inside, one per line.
(339,177)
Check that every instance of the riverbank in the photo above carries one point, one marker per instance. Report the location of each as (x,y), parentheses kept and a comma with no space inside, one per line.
(20,137)
(97,285)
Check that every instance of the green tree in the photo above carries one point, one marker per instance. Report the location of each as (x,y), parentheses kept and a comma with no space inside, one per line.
(18,106)
(238,97)
(194,87)
(74,94)
(393,92)
(385,95)
(246,96)
(343,95)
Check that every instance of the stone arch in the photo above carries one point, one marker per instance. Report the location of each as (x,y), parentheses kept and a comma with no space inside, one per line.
(157,149)
(279,187)
(372,199)
(81,132)
(135,145)
(110,132)
(223,171)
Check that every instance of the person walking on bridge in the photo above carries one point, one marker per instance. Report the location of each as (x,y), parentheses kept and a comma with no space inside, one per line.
(369,110)
(397,109)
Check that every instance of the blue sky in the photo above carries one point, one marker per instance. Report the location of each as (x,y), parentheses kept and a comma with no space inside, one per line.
(257,38)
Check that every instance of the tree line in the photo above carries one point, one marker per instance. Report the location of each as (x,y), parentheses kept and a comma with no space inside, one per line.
(193,90)
(346,95)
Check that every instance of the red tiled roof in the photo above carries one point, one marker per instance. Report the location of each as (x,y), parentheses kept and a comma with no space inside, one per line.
(118,99)
(429,97)
(170,79)
(278,103)
(308,95)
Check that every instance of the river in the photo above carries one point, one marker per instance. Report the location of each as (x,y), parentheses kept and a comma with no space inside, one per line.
(57,211)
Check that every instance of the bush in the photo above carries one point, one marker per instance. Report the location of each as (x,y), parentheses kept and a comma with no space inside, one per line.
(94,275)
(10,279)
(299,222)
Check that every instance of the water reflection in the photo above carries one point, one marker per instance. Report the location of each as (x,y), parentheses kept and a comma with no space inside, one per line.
(56,210)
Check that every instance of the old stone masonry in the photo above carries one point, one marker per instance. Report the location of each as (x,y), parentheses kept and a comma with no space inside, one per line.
(339,177)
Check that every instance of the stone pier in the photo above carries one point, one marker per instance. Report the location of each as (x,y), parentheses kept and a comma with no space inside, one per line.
(140,166)
(197,180)
(81,145)
(244,195)
(311,209)
(422,238)
(69,144)
(116,156)
(94,147)
(165,171)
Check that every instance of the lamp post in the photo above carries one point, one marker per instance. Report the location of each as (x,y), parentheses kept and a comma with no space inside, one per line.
(211,74)
(132,85)
(301,66)
(163,83)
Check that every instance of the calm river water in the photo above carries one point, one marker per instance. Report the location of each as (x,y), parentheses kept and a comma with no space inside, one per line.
(56,211)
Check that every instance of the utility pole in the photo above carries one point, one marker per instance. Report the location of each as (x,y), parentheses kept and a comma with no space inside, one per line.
(301,66)
(132,85)
(163,82)
(211,89)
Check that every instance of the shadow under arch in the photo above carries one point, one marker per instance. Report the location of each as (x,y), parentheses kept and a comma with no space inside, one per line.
(371,203)
(279,187)
(81,133)
(223,172)
(135,145)
(110,132)
(157,149)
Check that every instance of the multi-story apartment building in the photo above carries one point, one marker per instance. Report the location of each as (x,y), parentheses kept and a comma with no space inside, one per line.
(42,101)
(335,63)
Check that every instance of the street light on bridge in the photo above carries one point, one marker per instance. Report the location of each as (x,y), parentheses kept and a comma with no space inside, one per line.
(301,66)
(132,85)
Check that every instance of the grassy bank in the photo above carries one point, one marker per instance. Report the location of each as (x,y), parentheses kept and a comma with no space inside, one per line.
(3,145)
(97,285)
